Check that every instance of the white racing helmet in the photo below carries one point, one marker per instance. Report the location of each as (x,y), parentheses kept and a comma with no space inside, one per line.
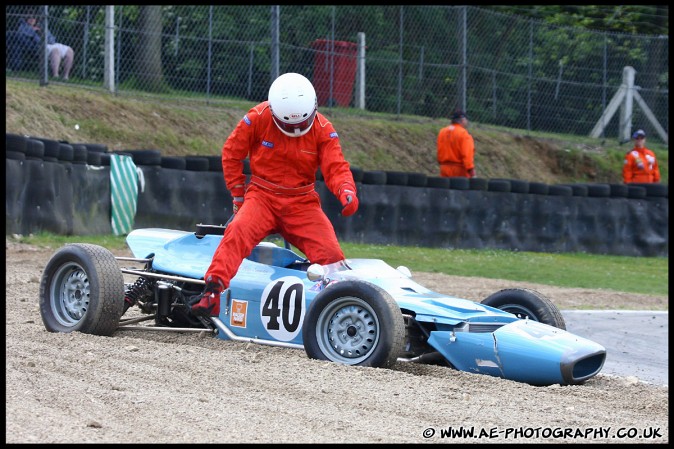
(293,104)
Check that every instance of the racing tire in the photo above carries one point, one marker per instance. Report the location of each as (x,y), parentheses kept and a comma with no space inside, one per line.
(559,190)
(396,178)
(415,179)
(21,156)
(82,289)
(477,183)
(357,174)
(653,189)
(376,177)
(214,163)
(15,142)
(80,154)
(175,162)
(498,185)
(636,192)
(437,182)
(354,323)
(67,153)
(538,188)
(93,158)
(459,183)
(526,303)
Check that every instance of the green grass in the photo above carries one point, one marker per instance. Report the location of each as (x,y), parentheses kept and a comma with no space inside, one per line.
(644,275)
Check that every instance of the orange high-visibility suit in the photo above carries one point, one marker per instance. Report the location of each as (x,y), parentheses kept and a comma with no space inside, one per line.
(640,165)
(280,197)
(456,151)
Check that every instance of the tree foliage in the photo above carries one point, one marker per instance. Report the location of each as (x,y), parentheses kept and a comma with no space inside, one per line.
(633,19)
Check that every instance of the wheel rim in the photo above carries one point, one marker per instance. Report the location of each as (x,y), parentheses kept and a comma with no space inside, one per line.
(348,330)
(69,295)
(520,311)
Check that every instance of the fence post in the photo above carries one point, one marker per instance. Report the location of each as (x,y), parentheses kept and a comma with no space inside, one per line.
(360,73)
(626,107)
(44,55)
(275,69)
(464,58)
(109,53)
(400,60)
(531,61)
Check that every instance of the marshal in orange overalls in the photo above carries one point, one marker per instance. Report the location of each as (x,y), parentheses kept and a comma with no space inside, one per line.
(456,151)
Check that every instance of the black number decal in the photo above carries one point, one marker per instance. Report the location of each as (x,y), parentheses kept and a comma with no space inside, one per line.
(291,326)
(271,308)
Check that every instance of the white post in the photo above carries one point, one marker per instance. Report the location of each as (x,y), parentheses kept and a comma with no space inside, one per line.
(360,73)
(109,58)
(625,126)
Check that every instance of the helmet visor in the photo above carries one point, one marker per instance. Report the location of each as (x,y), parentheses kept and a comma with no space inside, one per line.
(295,129)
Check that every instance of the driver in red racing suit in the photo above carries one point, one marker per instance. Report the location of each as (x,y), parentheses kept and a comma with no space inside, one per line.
(286,140)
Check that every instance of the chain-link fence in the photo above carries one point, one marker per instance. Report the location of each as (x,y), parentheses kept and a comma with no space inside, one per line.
(405,60)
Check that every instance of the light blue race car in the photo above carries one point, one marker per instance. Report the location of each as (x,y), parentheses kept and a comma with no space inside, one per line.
(363,312)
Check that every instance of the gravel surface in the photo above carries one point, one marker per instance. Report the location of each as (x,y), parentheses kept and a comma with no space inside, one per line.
(152,387)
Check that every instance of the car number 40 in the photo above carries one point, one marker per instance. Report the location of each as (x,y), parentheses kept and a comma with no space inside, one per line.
(282,307)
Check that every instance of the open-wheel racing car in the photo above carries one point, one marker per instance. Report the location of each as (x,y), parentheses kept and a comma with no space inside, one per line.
(362,312)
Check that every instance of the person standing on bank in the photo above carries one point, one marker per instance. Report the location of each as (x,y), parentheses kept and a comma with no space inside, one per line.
(640,164)
(456,149)
(57,52)
(286,140)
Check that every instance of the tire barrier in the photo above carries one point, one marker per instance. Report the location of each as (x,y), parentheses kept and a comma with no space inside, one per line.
(417,179)
(438,182)
(145,157)
(357,174)
(557,190)
(93,158)
(618,190)
(214,163)
(15,142)
(577,189)
(477,183)
(51,147)
(21,156)
(174,162)
(498,185)
(656,190)
(74,199)
(459,183)
(376,177)
(80,154)
(35,150)
(538,188)
(67,153)
(196,163)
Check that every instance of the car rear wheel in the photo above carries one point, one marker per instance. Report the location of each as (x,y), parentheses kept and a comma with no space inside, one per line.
(527,304)
(82,289)
(354,323)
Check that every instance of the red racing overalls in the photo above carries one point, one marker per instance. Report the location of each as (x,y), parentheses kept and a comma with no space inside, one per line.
(280,197)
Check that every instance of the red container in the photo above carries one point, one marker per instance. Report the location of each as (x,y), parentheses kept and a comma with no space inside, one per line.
(344,63)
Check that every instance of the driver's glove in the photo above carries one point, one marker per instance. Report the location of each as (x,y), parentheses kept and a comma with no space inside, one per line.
(349,200)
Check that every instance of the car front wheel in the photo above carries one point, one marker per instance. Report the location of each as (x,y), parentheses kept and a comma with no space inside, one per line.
(354,323)
(82,289)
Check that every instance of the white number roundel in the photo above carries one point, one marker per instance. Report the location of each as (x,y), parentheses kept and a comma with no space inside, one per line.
(282,307)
